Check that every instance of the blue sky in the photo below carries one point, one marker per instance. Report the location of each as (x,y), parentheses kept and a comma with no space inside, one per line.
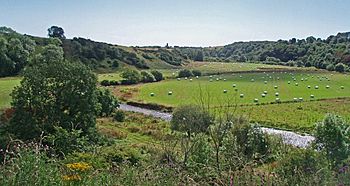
(178,22)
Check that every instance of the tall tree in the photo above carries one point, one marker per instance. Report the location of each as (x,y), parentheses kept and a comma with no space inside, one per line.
(55,31)
(53,92)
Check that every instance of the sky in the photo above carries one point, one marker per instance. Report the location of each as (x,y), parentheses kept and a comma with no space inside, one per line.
(178,22)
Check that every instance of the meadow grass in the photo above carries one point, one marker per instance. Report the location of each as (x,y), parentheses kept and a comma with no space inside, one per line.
(6,87)
(252,85)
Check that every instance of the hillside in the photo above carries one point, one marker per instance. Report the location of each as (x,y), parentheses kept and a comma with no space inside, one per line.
(17,49)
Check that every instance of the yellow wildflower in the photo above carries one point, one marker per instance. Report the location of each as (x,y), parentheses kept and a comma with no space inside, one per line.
(81,166)
(71,177)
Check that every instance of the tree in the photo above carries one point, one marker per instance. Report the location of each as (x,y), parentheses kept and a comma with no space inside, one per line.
(196,72)
(147,77)
(107,102)
(191,120)
(131,76)
(55,31)
(199,56)
(332,137)
(53,92)
(330,67)
(157,75)
(340,67)
(185,73)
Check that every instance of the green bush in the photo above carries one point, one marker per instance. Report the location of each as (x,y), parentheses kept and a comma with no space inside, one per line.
(157,75)
(106,102)
(196,73)
(303,167)
(147,77)
(332,137)
(119,116)
(185,73)
(131,76)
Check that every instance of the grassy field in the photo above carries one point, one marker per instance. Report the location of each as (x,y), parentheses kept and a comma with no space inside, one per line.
(7,85)
(252,85)
(300,116)
(206,68)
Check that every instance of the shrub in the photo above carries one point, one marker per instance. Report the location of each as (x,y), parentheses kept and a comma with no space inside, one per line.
(332,137)
(147,77)
(119,116)
(340,67)
(157,75)
(196,73)
(247,141)
(303,167)
(131,76)
(107,103)
(113,82)
(191,119)
(330,67)
(185,73)
(105,82)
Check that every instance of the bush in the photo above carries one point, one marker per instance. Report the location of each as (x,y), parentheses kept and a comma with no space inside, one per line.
(107,103)
(147,77)
(332,137)
(131,76)
(104,83)
(113,82)
(185,73)
(303,167)
(248,142)
(157,75)
(340,67)
(330,67)
(191,119)
(196,73)
(119,116)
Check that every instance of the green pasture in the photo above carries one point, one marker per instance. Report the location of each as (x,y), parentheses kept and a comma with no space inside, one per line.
(6,87)
(218,90)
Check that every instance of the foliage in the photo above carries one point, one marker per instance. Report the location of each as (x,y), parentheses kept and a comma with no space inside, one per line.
(53,93)
(106,102)
(55,31)
(147,77)
(340,67)
(303,166)
(185,73)
(158,76)
(196,72)
(131,76)
(15,53)
(332,137)
(119,116)
(191,119)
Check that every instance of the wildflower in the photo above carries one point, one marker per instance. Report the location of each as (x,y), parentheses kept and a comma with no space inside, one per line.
(71,177)
(81,166)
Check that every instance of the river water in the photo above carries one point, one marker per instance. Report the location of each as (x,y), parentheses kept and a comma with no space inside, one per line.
(288,137)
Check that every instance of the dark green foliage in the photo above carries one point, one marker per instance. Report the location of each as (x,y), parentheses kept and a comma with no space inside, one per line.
(55,31)
(199,56)
(53,93)
(332,137)
(191,119)
(65,141)
(107,103)
(119,116)
(303,166)
(15,52)
(330,67)
(196,73)
(158,76)
(340,67)
(249,140)
(105,82)
(147,77)
(185,73)
(131,76)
